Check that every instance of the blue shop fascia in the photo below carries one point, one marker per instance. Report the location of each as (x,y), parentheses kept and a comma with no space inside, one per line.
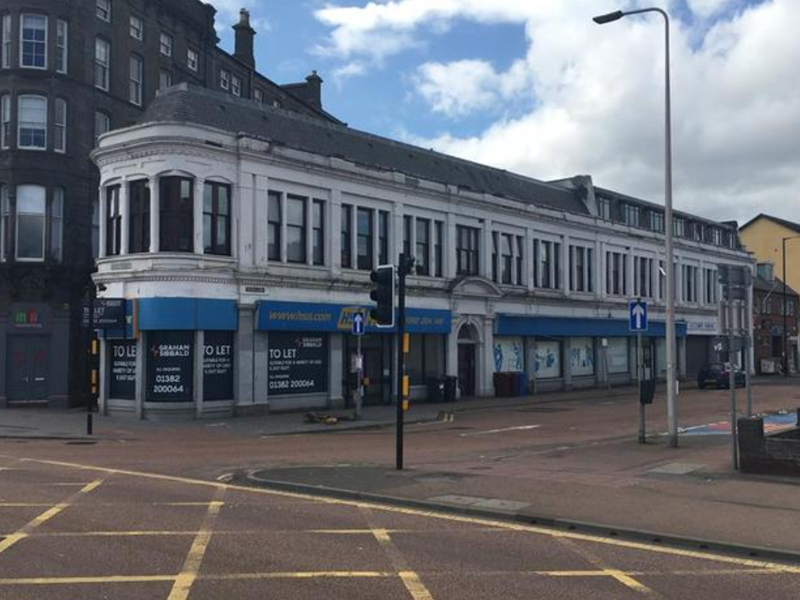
(211,357)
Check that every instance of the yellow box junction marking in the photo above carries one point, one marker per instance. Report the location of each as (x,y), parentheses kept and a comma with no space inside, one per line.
(410,579)
(762,565)
(26,529)
(191,567)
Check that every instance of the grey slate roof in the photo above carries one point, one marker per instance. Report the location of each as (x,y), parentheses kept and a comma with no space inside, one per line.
(776,287)
(185,103)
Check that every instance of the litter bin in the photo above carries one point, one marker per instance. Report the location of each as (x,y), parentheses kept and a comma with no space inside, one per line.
(450,389)
(523,384)
(503,385)
(436,389)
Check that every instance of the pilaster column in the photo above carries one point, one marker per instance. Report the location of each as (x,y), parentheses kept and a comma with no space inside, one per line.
(103,216)
(450,249)
(259,212)
(486,248)
(199,372)
(333,234)
(155,215)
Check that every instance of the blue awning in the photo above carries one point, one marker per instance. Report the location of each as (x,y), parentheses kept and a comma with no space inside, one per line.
(579,327)
(187,314)
(306,316)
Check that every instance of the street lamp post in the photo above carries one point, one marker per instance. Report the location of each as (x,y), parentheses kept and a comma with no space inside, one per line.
(672,405)
(785,308)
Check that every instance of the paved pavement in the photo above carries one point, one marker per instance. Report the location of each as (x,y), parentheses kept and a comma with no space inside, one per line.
(76,531)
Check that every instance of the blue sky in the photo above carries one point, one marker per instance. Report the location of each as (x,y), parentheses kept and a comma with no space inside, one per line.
(533,86)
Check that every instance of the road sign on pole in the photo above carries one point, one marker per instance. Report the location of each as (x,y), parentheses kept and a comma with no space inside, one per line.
(359,323)
(637,315)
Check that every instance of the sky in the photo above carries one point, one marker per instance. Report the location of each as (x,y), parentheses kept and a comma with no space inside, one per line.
(535,87)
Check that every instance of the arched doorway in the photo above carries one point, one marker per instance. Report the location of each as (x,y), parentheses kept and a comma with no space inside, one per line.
(467,359)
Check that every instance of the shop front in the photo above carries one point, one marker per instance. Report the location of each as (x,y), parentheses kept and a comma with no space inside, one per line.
(32,337)
(569,353)
(311,351)
(177,356)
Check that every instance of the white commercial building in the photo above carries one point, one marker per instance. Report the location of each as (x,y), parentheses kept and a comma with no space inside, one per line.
(243,237)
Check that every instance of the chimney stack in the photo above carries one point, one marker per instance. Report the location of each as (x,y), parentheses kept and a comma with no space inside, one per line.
(245,36)
(314,89)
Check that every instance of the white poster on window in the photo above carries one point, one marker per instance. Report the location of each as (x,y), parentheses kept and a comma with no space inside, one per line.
(548,359)
(509,355)
(581,357)
(618,355)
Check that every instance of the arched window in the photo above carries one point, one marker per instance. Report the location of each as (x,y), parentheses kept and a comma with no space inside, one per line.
(32,122)
(217,219)
(33,42)
(31,201)
(176,197)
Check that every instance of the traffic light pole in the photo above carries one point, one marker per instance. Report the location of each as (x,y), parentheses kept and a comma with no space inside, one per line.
(402,271)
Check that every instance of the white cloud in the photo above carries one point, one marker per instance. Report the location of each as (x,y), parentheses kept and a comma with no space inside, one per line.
(228,14)
(708,8)
(464,86)
(598,105)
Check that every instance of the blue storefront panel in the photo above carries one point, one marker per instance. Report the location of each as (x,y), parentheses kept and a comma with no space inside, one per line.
(177,314)
(566,327)
(306,316)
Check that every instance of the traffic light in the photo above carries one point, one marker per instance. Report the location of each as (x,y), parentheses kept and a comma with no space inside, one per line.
(383,295)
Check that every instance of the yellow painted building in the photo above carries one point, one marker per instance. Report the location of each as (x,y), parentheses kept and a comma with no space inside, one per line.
(763,237)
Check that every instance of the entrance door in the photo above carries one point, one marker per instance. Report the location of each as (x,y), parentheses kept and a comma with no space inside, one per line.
(27,369)
(466,369)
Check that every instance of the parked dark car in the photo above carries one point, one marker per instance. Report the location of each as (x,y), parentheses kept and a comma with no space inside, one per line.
(717,375)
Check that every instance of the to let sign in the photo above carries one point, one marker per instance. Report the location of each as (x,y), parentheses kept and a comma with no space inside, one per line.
(109,313)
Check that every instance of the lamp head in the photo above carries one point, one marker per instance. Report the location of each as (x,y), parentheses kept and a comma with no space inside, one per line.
(608,18)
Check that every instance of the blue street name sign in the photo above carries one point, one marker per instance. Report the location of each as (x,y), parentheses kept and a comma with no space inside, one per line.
(359,323)
(638,315)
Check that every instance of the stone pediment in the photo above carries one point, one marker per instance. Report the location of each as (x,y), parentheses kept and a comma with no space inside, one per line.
(475,287)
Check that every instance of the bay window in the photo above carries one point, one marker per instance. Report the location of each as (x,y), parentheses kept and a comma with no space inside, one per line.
(30,234)
(139,216)
(32,122)
(113,221)
(217,219)
(176,195)
(33,41)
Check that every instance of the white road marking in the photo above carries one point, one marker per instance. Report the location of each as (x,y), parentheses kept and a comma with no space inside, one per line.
(504,430)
